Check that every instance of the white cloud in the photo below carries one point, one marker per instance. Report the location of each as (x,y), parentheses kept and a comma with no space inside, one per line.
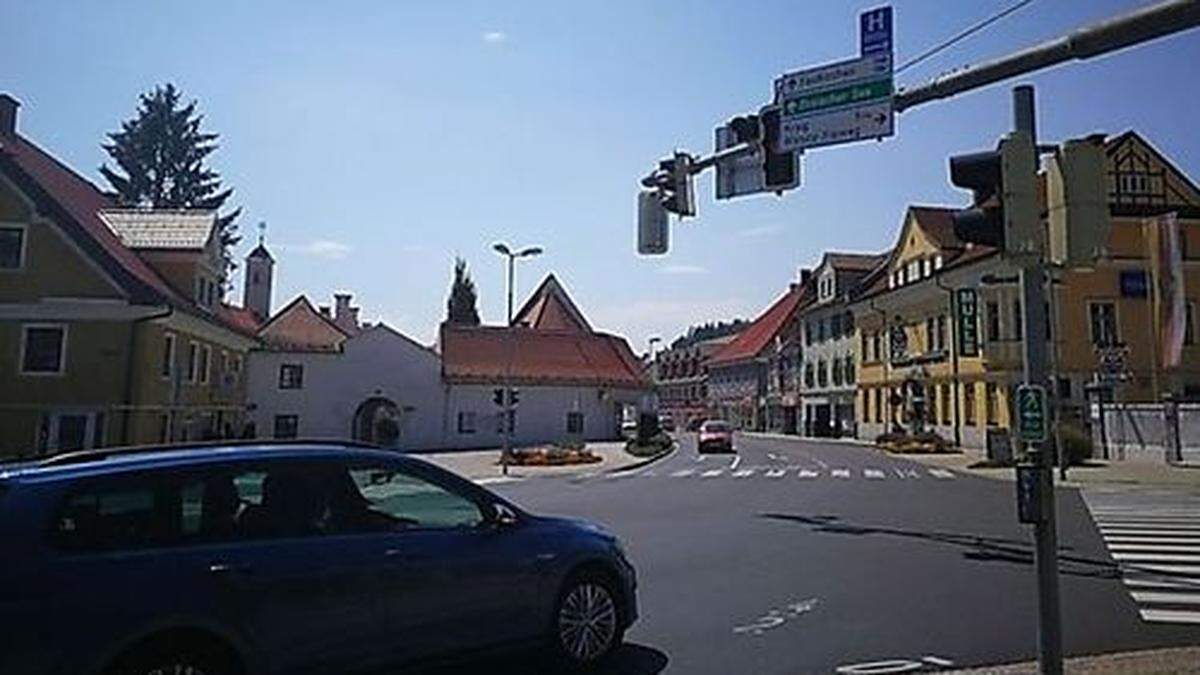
(761,231)
(682,269)
(320,248)
(494,37)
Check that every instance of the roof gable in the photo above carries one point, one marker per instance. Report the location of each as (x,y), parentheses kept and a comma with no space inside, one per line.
(484,354)
(551,308)
(762,332)
(162,228)
(300,327)
(1141,176)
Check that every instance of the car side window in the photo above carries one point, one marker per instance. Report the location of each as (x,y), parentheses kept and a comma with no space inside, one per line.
(124,516)
(390,499)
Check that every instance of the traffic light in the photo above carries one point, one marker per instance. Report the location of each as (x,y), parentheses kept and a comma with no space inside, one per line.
(498,396)
(1003,211)
(1077,202)
(678,195)
(515,396)
(654,231)
(781,170)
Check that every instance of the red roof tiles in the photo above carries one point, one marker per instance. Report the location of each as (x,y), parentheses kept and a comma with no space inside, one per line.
(550,308)
(482,354)
(762,331)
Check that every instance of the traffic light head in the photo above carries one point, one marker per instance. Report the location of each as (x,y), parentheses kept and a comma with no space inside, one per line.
(781,170)
(746,128)
(515,395)
(1003,211)
(678,195)
(498,396)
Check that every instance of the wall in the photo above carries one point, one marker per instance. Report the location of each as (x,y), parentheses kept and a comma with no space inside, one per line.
(541,413)
(1139,431)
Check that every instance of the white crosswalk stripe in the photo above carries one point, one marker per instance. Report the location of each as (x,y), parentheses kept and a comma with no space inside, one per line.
(873,474)
(1133,533)
(743,473)
(941,473)
(776,473)
(1155,538)
(840,473)
(807,473)
(712,473)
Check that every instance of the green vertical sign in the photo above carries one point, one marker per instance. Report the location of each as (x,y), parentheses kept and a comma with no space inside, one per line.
(968,323)
(1031,413)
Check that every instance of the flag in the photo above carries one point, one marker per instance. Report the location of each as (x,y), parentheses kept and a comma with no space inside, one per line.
(1166,268)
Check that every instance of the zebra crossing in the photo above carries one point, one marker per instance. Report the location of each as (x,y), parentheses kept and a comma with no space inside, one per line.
(1154,537)
(777,472)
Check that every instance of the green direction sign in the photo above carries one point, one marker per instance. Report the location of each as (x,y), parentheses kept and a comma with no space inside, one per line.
(1031,413)
(836,98)
(968,322)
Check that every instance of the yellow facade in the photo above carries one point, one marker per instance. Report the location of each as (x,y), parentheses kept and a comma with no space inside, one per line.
(961,396)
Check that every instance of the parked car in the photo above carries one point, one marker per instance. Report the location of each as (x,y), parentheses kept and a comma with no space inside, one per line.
(666,423)
(295,557)
(715,436)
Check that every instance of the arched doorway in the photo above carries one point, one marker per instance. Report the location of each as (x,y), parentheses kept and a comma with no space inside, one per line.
(377,421)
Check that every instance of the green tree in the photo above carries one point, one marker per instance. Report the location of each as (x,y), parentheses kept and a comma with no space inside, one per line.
(461,307)
(160,162)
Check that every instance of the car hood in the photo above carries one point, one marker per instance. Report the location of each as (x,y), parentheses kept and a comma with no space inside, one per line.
(575,525)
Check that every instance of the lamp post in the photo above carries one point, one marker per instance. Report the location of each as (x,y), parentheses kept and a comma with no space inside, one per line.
(529,252)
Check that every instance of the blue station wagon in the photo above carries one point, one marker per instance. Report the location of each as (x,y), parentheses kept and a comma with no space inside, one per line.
(288,558)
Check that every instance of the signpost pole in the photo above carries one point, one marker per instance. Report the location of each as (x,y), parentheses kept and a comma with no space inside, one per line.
(1033,279)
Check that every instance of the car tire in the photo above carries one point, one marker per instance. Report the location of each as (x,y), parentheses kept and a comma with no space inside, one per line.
(175,657)
(587,625)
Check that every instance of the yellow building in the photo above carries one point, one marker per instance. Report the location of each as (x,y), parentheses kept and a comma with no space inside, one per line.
(112,327)
(919,366)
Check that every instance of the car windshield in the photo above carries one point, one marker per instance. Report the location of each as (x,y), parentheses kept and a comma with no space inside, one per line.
(759,336)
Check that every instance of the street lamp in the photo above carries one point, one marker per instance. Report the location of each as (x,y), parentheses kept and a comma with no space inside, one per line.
(529,252)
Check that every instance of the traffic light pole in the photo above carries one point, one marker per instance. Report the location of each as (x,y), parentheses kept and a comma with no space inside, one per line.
(1033,301)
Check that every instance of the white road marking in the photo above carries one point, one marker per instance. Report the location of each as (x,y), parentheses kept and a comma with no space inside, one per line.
(737,459)
(907,473)
(1170,616)
(701,458)
(648,473)
(775,473)
(1133,539)
(1141,531)
(682,473)
(807,473)
(873,474)
(742,473)
(711,473)
(941,473)
(496,480)
(1157,558)
(1166,598)
(840,473)
(1154,547)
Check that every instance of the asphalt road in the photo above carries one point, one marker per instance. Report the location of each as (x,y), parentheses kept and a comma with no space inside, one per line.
(800,556)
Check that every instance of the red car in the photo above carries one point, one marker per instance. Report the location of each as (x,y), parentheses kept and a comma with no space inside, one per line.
(716,436)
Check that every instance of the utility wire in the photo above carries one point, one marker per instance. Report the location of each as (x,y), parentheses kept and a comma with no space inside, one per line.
(961,36)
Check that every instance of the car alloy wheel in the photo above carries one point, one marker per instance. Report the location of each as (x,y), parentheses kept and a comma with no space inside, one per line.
(587,622)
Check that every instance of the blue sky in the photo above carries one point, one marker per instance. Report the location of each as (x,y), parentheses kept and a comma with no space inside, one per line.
(380,139)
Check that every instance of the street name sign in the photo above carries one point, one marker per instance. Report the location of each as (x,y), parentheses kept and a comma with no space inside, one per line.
(968,323)
(841,102)
(1031,413)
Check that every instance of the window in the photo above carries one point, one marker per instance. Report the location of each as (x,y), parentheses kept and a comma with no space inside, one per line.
(930,327)
(940,342)
(167,367)
(391,500)
(574,423)
(993,322)
(205,363)
(808,333)
(945,406)
(876,346)
(1064,388)
(821,325)
(991,404)
(866,406)
(1103,322)
(291,376)
(808,375)
(193,361)
(466,422)
(969,402)
(164,428)
(849,369)
(1018,321)
(837,371)
(1189,324)
(43,349)
(822,373)
(115,517)
(878,405)
(12,247)
(287,426)
(938,261)
(926,267)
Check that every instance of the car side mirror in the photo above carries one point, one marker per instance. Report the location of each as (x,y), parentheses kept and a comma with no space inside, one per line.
(503,516)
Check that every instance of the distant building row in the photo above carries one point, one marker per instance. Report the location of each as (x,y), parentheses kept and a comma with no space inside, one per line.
(863,344)
(114,331)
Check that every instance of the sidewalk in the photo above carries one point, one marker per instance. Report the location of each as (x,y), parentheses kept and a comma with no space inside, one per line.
(1130,472)
(485,464)
(1151,662)
(772,435)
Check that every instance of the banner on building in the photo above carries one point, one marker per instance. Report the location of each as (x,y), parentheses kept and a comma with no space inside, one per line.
(1166,270)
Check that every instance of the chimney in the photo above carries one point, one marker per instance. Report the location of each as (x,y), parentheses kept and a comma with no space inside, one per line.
(805,275)
(8,115)
(345,316)
(324,310)
(354,316)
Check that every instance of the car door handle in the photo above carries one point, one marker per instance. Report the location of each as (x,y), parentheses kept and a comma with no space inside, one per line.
(227,570)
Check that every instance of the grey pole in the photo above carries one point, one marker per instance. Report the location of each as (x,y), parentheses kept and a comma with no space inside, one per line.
(1033,280)
(506,410)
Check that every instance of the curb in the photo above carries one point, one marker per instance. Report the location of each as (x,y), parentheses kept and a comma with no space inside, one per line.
(811,439)
(644,462)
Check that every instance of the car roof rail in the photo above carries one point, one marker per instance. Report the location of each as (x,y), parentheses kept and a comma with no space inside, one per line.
(100,454)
